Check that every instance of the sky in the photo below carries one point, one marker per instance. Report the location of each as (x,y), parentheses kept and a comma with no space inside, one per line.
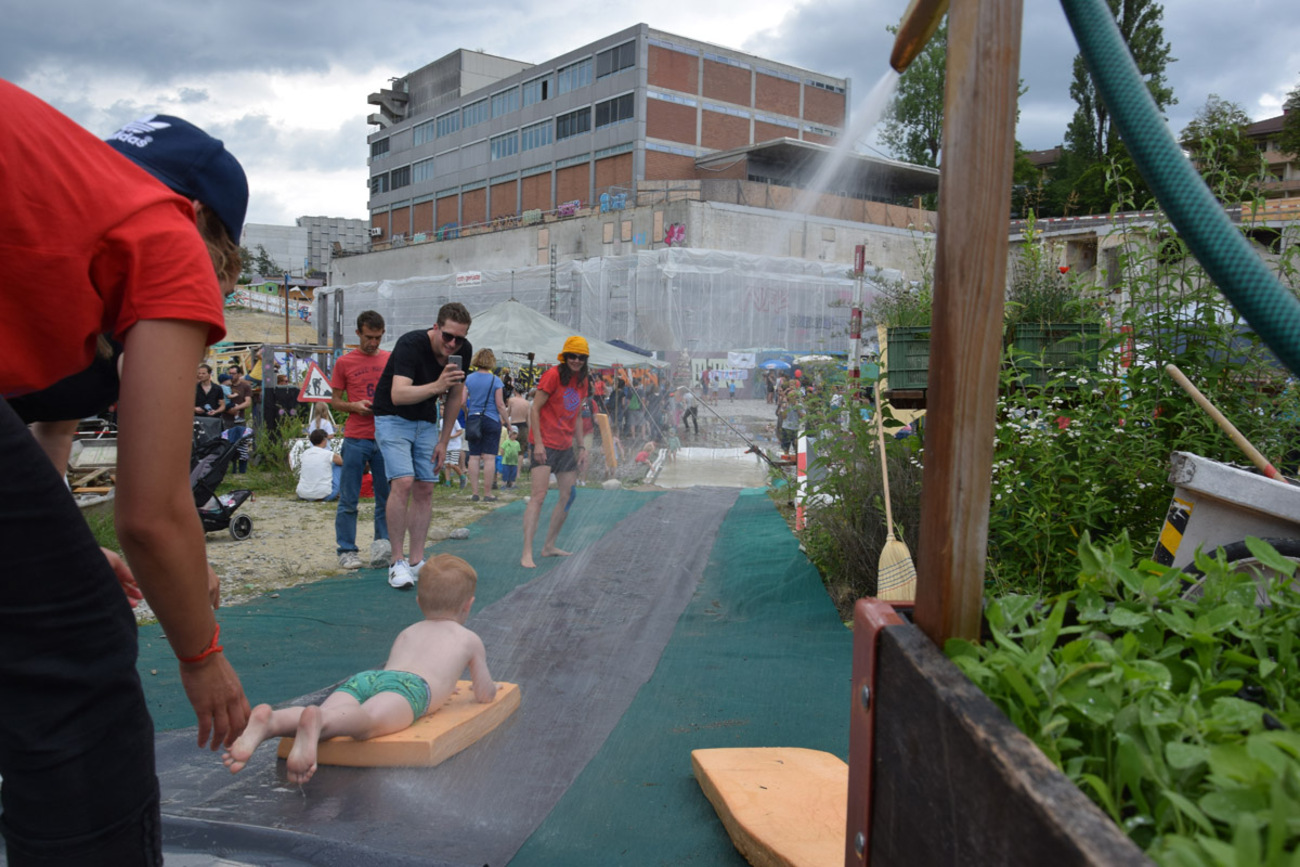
(285,84)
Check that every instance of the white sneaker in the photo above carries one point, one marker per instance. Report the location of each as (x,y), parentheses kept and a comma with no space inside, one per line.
(349,560)
(380,552)
(400,577)
(415,571)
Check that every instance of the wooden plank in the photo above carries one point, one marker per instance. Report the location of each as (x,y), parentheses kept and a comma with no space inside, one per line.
(781,806)
(103,490)
(954,782)
(430,740)
(966,333)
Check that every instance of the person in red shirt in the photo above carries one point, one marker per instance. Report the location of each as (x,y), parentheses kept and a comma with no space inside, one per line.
(353,384)
(100,241)
(556,444)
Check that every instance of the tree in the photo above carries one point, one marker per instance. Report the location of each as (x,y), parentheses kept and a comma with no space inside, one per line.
(1288,141)
(913,125)
(1216,140)
(1091,133)
(263,264)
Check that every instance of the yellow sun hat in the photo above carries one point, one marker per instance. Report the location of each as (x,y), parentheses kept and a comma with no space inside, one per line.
(575,345)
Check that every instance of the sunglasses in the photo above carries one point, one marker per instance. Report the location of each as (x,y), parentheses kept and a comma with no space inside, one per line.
(573,356)
(453,339)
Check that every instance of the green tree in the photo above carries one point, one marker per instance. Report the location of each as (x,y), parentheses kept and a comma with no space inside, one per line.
(263,264)
(912,128)
(1091,138)
(1216,140)
(1289,139)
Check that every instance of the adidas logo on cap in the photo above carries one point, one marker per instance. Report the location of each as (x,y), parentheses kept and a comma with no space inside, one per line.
(137,132)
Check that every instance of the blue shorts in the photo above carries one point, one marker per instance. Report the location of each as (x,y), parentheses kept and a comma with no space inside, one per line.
(407,447)
(488,444)
(368,684)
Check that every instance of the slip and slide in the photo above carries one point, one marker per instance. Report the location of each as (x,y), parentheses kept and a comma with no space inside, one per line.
(685,620)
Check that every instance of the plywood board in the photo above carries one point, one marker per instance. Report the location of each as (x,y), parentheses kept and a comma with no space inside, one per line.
(781,806)
(430,740)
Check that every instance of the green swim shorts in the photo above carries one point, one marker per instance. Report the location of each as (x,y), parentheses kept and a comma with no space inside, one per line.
(368,684)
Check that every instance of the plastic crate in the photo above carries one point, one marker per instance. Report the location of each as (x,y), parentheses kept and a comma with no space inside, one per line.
(1046,351)
(908,357)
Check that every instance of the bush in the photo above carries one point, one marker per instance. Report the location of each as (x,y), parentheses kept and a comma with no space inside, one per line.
(846,519)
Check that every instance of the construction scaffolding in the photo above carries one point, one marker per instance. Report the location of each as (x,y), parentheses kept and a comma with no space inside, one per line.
(704,301)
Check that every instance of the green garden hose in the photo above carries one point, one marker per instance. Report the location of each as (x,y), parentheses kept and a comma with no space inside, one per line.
(1272,311)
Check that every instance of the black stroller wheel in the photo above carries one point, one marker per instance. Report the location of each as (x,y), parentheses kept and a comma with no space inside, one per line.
(241,527)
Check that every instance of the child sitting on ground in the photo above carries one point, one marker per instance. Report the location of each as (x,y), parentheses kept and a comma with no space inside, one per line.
(422,669)
(319,469)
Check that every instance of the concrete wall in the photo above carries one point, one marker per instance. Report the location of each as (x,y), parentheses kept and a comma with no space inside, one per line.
(709,225)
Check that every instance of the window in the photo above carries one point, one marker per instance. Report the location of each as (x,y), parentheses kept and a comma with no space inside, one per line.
(615,59)
(379,148)
(379,184)
(400,178)
(537,90)
(475,112)
(535,136)
(614,111)
(422,171)
(505,145)
(421,133)
(573,76)
(505,102)
(573,123)
(448,123)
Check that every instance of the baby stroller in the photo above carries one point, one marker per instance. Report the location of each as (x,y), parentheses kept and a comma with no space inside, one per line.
(209,460)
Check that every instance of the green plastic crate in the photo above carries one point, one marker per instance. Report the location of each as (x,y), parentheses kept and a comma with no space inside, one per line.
(908,357)
(1046,351)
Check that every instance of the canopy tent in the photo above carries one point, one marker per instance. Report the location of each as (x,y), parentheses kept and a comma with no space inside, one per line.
(511,328)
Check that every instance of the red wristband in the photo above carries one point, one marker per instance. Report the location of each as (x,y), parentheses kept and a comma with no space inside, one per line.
(212,648)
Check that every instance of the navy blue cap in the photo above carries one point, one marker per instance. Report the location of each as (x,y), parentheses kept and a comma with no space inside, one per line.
(190,162)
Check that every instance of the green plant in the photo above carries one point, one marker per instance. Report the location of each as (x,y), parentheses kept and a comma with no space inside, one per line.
(1039,291)
(1178,717)
(904,303)
(846,517)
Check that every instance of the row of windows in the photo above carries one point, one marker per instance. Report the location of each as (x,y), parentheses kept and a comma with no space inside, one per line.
(379,148)
(575,75)
(475,113)
(608,113)
(421,133)
(448,123)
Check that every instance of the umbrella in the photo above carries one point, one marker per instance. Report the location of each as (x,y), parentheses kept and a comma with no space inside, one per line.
(775,364)
(813,359)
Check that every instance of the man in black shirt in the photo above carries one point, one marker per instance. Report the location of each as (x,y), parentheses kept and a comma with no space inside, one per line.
(424,365)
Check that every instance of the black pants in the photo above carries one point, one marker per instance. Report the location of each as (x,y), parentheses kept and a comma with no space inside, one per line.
(692,415)
(76,739)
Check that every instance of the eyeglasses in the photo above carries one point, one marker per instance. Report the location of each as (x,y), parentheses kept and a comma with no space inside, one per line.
(453,339)
(573,356)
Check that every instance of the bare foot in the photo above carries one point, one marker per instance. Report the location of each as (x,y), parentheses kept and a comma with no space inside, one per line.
(527,562)
(259,722)
(302,758)
(555,552)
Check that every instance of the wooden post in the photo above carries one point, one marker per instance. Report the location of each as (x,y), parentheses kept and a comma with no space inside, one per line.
(966,334)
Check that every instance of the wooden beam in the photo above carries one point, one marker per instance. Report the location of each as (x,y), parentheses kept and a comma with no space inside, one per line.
(965,340)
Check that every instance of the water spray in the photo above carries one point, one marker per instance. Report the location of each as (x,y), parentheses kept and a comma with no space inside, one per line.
(753,447)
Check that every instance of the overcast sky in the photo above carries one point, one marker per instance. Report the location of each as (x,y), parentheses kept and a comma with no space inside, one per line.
(285,84)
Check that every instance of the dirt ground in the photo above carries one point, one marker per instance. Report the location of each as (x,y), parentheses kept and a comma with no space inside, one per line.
(293,541)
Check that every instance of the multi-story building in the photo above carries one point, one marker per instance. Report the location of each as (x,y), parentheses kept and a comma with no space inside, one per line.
(473,138)
(325,235)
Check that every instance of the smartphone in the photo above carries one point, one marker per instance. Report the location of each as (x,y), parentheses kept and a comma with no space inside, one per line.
(454,361)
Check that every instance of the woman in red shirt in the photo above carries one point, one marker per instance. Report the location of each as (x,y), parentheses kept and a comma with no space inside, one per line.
(556,443)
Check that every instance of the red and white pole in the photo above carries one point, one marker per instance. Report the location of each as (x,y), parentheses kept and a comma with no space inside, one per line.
(855,316)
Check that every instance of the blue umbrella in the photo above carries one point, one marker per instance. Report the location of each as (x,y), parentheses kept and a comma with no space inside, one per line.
(775,364)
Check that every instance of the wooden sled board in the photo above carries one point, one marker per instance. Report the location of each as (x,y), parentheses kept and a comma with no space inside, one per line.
(430,740)
(781,806)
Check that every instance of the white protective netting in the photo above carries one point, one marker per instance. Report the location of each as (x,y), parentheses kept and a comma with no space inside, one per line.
(705,301)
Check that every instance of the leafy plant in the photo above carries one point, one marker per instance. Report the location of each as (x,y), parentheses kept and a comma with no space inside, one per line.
(1177,717)
(1039,291)
(846,515)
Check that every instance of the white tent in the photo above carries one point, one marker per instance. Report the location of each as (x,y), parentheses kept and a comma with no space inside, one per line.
(511,328)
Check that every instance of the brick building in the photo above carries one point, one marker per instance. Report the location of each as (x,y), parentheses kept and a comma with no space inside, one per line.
(473,138)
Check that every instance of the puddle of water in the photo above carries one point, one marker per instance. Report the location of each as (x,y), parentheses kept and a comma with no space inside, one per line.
(728,468)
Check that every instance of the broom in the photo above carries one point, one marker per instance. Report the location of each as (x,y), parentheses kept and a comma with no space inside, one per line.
(896,576)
